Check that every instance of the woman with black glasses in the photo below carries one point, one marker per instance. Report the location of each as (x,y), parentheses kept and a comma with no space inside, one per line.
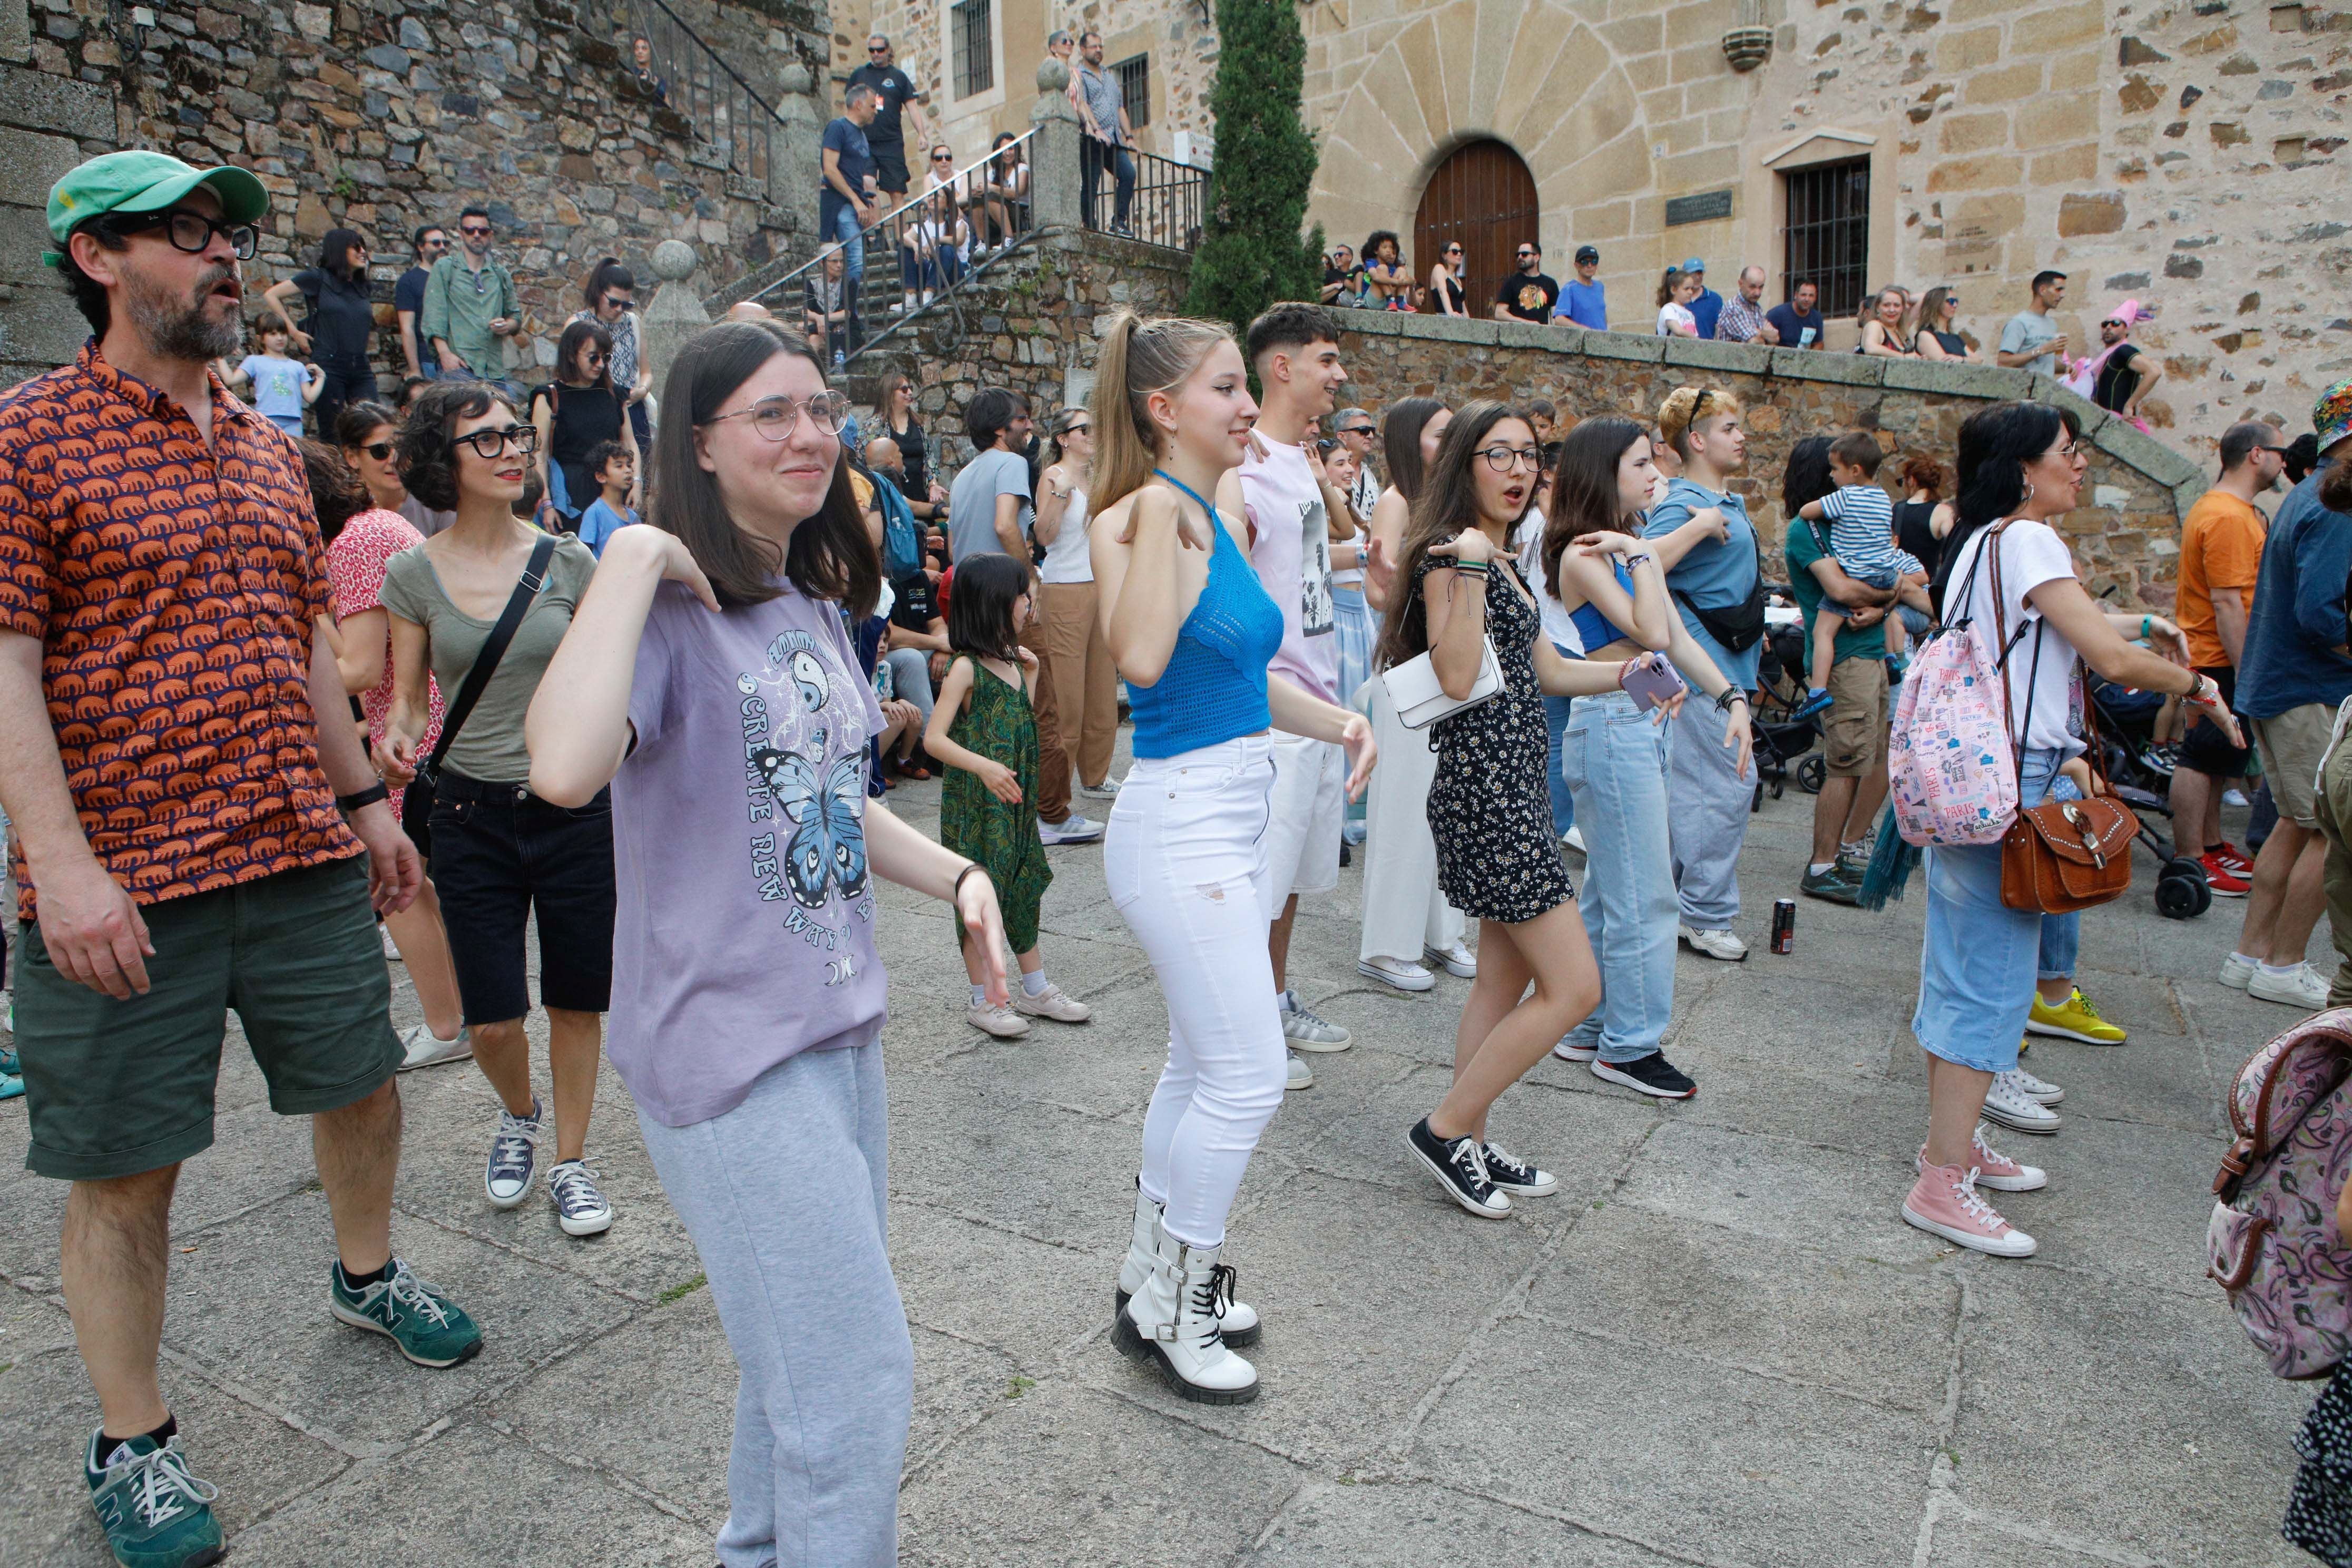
(1447,296)
(500,854)
(612,296)
(576,412)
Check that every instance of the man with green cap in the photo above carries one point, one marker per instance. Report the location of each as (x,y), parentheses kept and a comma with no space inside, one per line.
(189,835)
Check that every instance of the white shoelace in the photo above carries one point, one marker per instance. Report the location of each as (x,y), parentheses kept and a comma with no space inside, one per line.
(1988,1154)
(1495,1154)
(575,1186)
(414,1295)
(161,1487)
(1975,1208)
(510,1150)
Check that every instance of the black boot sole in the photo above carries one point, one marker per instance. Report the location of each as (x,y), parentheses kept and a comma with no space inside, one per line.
(1134,1346)
(1240,1338)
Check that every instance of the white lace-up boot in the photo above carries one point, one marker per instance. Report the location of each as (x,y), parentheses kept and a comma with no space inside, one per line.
(1171,1322)
(1238,1319)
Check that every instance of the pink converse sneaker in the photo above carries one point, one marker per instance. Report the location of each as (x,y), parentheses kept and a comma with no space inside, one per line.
(1944,1203)
(1995,1169)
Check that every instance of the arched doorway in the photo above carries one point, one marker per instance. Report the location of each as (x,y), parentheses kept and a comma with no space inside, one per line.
(1482,195)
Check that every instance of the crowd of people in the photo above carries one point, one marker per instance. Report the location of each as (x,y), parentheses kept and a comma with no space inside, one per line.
(447,697)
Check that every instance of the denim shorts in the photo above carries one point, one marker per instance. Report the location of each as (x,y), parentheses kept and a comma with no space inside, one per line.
(500,855)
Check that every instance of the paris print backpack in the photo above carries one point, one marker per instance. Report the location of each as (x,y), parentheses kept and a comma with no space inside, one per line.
(1951,770)
(2273,1244)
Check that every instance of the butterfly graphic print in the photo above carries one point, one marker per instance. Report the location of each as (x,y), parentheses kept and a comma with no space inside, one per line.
(826,849)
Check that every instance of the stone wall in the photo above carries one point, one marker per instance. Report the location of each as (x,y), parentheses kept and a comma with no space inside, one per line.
(383,114)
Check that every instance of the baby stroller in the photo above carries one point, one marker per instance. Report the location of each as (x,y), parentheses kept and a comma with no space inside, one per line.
(2140,772)
(1783,742)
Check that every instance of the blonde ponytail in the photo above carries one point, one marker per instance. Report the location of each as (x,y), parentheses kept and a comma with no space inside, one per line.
(1139,358)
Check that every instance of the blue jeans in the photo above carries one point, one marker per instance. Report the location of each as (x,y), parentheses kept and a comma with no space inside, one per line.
(1616,763)
(1095,156)
(852,235)
(1563,799)
(1979,960)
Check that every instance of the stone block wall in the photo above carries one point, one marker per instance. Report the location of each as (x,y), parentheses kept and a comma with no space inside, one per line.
(383,114)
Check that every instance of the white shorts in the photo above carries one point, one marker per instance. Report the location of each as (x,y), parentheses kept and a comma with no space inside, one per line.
(1302,829)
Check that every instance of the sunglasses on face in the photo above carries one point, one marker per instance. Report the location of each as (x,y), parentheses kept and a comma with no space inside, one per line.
(942,157)
(597,356)
(1357,430)
(380,450)
(877,49)
(615,302)
(1527,255)
(2111,323)
(488,442)
(774,417)
(1078,430)
(190,231)
(476,230)
(1453,250)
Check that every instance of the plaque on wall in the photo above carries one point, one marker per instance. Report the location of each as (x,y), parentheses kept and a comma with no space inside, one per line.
(1700,208)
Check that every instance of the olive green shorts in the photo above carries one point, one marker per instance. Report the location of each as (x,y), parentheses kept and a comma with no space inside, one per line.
(118,1087)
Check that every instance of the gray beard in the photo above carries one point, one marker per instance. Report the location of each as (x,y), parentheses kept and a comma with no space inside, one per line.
(175,330)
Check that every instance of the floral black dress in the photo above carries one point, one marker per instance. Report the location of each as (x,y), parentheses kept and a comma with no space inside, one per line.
(998,723)
(2319,1513)
(1490,809)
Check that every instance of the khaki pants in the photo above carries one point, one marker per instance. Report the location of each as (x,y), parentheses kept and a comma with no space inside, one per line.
(2332,805)
(1053,763)
(1086,685)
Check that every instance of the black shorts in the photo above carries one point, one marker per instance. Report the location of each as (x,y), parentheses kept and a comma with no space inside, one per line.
(890,169)
(2203,748)
(500,854)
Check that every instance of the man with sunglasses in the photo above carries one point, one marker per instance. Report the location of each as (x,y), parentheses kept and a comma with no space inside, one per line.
(195,857)
(430,244)
(895,93)
(471,307)
(1359,435)
(1528,295)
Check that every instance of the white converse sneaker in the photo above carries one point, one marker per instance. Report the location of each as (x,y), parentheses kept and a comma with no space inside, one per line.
(1237,1320)
(579,1208)
(1071,829)
(995,1018)
(1171,1322)
(421,1048)
(1718,943)
(391,948)
(1051,1003)
(514,1157)
(2236,970)
(1574,839)
(1401,973)
(1459,959)
(2008,1103)
(2046,1092)
(2299,986)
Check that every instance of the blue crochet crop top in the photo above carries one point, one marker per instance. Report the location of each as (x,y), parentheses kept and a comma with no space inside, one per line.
(1594,629)
(1214,686)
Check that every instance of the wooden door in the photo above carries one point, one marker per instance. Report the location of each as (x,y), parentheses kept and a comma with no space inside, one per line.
(1482,195)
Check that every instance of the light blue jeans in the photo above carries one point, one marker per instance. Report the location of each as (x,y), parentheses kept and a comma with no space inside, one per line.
(1616,763)
(1980,959)
(1563,799)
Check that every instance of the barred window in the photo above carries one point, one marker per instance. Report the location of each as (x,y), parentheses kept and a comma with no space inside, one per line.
(1829,233)
(1135,88)
(971,26)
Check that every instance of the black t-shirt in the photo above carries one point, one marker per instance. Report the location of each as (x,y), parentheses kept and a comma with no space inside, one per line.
(917,602)
(915,456)
(1913,532)
(894,87)
(1529,296)
(2118,378)
(342,318)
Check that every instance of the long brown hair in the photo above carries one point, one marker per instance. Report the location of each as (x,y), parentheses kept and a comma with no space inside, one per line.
(831,555)
(1584,493)
(1139,357)
(1401,441)
(1447,504)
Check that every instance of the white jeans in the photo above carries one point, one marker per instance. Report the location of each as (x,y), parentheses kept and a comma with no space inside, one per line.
(1185,858)
(1403,910)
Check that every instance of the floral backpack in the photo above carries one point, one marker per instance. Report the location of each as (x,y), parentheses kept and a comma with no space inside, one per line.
(2272,1243)
(1951,770)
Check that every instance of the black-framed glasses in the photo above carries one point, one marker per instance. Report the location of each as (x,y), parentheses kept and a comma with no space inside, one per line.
(775,417)
(189,231)
(380,450)
(491,441)
(1357,430)
(1503,459)
(1078,430)
(476,230)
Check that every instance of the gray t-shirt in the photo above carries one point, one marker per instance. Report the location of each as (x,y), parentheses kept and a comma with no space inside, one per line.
(2025,330)
(744,930)
(971,501)
(489,747)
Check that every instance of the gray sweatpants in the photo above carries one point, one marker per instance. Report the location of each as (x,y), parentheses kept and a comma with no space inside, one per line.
(1709,803)
(784,1197)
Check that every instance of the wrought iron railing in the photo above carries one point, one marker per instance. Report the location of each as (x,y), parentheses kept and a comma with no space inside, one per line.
(726,112)
(1163,202)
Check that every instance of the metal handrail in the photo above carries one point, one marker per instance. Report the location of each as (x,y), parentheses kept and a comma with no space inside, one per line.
(692,70)
(1165,203)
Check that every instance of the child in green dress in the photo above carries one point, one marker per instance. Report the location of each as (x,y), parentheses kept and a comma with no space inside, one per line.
(984,733)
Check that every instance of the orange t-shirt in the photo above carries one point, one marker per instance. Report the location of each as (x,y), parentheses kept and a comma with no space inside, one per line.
(2221,547)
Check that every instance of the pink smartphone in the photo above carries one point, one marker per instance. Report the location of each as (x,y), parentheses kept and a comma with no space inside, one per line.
(1651,680)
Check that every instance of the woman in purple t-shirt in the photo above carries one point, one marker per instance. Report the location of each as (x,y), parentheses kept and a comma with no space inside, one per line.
(711,682)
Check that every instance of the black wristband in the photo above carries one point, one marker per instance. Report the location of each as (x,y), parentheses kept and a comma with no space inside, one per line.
(956,892)
(347,804)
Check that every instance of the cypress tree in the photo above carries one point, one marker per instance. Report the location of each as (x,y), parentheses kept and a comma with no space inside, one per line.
(1252,252)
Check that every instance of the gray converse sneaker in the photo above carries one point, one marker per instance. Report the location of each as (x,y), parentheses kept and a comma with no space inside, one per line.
(579,1208)
(514,1157)
(1306,1032)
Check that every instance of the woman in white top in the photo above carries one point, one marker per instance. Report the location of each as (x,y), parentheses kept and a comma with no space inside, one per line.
(1982,962)
(1003,195)
(1086,683)
(1406,920)
(1676,292)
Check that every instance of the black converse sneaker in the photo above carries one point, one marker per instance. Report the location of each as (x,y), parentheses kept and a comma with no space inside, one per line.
(1652,1074)
(1515,1176)
(1460,1167)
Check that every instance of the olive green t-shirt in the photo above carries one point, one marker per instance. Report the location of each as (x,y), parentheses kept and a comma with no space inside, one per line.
(490,747)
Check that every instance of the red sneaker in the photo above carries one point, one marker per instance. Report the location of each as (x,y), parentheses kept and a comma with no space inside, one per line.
(2225,883)
(2235,859)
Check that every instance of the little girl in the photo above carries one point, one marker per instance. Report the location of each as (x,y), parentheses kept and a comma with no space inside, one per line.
(984,733)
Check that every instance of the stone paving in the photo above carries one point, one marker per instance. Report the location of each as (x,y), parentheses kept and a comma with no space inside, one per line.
(1719,1346)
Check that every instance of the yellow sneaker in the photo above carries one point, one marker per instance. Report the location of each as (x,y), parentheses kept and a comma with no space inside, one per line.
(2076,1020)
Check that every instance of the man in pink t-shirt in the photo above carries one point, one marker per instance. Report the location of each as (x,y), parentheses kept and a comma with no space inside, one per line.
(1290,505)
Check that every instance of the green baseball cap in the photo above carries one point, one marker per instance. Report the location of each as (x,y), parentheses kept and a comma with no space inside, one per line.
(146,183)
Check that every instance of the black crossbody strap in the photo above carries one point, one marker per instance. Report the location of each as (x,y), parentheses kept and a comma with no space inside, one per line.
(494,647)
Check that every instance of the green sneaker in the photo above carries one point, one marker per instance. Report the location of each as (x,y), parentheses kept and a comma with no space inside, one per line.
(430,1329)
(1834,886)
(155,1513)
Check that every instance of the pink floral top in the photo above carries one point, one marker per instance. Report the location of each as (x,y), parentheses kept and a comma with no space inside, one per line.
(355,563)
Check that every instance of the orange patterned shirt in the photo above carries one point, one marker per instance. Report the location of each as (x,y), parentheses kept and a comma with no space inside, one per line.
(174,590)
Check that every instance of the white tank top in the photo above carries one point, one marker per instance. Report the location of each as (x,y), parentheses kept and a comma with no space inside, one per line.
(1066,558)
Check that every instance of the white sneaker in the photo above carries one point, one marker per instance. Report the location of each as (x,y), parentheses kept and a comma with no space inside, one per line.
(1723,944)
(2237,972)
(1401,973)
(579,1208)
(1574,839)
(2234,797)
(994,1018)
(421,1048)
(1459,959)
(1301,1075)
(2008,1103)
(1071,829)
(1107,790)
(2298,987)
(391,948)
(2044,1092)
(1051,1003)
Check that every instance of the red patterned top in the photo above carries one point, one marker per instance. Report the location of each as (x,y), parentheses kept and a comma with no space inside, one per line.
(174,590)
(355,561)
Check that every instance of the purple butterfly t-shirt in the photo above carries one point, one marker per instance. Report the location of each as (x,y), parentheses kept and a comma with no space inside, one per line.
(744,933)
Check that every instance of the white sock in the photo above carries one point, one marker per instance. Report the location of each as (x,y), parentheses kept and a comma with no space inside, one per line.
(980,996)
(1034,983)
(1816,867)
(2279,971)
(1287,1002)
(2243,958)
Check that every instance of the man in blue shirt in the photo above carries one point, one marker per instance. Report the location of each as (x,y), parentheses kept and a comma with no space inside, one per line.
(845,204)
(1585,301)
(2295,674)
(1709,304)
(1798,321)
(1707,546)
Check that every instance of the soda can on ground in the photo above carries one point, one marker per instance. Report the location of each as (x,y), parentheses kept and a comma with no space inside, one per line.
(1784,925)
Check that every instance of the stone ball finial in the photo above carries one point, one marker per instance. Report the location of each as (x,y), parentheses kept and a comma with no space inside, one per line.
(795,79)
(674,259)
(1053,76)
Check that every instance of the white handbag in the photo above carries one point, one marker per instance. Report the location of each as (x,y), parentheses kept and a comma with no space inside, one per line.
(1421,701)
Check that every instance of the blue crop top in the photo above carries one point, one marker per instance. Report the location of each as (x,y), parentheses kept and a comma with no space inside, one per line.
(1214,686)
(1594,629)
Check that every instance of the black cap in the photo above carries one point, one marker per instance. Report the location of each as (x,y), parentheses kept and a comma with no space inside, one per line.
(1587,253)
